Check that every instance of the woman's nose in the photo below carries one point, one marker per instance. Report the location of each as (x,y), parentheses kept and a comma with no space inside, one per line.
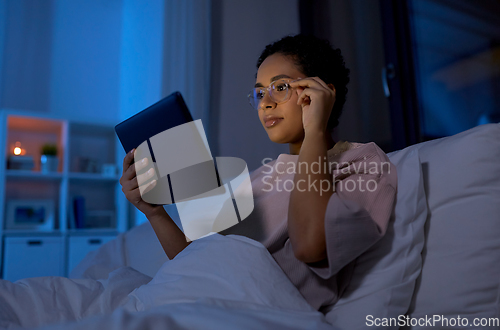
(267,102)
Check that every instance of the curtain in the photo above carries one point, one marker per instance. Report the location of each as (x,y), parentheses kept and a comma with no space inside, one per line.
(165,48)
(186,61)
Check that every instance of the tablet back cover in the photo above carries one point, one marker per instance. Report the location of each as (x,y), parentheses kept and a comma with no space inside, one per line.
(165,114)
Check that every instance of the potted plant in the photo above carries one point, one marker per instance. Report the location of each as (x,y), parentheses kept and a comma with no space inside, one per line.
(49,161)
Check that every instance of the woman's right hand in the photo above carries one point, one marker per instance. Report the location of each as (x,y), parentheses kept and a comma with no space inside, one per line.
(130,184)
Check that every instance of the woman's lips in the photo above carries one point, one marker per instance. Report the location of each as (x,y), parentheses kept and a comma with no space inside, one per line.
(273,122)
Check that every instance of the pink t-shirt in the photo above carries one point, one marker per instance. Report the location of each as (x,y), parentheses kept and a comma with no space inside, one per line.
(356,217)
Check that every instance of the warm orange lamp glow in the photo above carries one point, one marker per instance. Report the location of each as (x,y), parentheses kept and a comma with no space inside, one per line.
(17,149)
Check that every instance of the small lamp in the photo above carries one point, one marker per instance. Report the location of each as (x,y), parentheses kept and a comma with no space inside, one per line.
(18,150)
(18,160)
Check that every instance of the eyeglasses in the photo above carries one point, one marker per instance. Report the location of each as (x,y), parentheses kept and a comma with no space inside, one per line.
(279,92)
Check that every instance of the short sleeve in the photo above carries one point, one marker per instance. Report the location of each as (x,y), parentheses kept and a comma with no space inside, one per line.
(358,213)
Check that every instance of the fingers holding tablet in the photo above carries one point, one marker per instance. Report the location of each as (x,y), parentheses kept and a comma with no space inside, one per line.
(144,177)
(134,185)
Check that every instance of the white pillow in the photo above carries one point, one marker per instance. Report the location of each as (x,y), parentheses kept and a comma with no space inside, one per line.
(98,264)
(384,277)
(143,250)
(138,248)
(461,257)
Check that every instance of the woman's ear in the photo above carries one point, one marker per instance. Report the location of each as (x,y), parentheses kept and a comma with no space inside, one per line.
(331,86)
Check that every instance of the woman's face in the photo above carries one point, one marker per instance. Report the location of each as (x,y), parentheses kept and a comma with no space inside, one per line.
(282,122)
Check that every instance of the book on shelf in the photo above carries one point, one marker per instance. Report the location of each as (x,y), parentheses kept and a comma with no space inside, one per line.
(77,213)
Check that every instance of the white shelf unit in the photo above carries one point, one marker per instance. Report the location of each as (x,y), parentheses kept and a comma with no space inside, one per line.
(82,147)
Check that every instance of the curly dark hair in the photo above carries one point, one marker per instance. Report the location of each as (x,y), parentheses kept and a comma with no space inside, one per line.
(315,58)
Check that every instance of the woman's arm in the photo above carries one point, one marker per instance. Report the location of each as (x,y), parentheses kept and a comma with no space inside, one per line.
(171,238)
(309,199)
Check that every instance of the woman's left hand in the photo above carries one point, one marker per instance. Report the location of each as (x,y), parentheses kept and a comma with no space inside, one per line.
(317,100)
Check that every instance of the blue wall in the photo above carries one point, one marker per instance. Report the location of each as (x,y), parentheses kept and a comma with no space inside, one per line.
(98,60)
(85,58)
(26,48)
(141,55)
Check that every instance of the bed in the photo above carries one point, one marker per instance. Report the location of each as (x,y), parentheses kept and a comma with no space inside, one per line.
(440,256)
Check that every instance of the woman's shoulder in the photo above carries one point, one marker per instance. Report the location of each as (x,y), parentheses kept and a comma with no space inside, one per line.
(266,168)
(343,149)
(364,159)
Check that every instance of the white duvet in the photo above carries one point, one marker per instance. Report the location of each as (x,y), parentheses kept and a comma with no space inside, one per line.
(217,282)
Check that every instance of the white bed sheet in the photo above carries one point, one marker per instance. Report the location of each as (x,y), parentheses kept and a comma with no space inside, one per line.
(200,315)
(218,282)
(206,315)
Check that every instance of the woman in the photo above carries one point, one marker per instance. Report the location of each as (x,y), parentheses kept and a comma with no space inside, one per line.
(319,207)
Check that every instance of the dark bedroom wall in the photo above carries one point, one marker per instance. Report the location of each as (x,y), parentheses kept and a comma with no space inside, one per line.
(355,27)
(3,18)
(25,63)
(86,59)
(241,30)
(61,57)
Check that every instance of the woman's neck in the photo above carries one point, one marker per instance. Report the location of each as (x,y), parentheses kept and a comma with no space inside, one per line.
(295,146)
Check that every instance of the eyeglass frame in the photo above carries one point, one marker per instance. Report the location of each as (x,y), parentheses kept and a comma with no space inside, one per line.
(268,89)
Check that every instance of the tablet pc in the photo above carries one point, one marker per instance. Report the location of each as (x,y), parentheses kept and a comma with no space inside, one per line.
(163,115)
